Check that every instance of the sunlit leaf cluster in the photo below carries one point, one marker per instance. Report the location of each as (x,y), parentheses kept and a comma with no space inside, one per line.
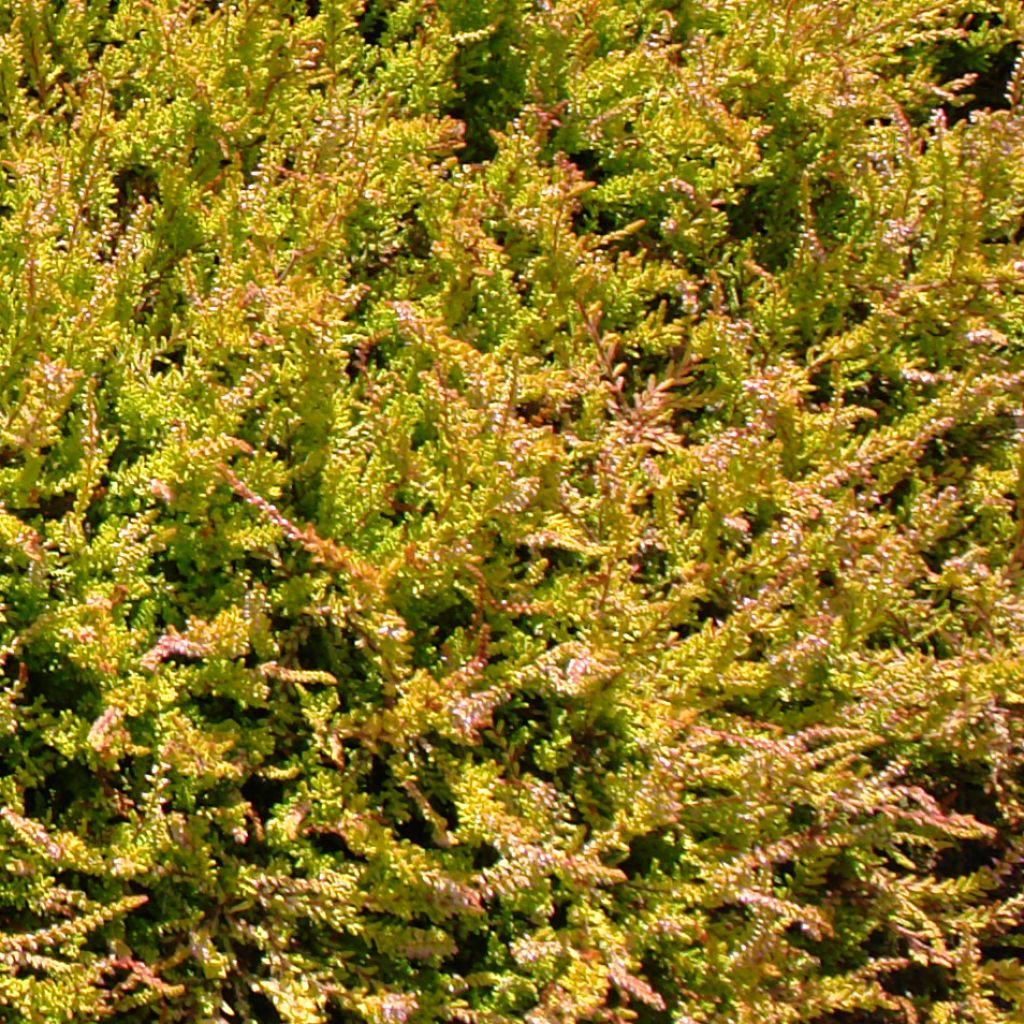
(510,511)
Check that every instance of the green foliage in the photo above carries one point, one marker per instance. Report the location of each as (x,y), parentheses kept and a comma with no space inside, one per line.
(511,511)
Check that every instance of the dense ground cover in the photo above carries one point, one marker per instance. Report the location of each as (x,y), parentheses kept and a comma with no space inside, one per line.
(511,511)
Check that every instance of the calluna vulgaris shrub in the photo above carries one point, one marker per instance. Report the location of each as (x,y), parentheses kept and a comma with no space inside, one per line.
(512,510)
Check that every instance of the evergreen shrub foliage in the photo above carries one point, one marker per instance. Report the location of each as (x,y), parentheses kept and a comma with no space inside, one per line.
(512,510)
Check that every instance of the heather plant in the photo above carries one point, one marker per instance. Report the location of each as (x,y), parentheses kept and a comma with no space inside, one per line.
(511,511)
